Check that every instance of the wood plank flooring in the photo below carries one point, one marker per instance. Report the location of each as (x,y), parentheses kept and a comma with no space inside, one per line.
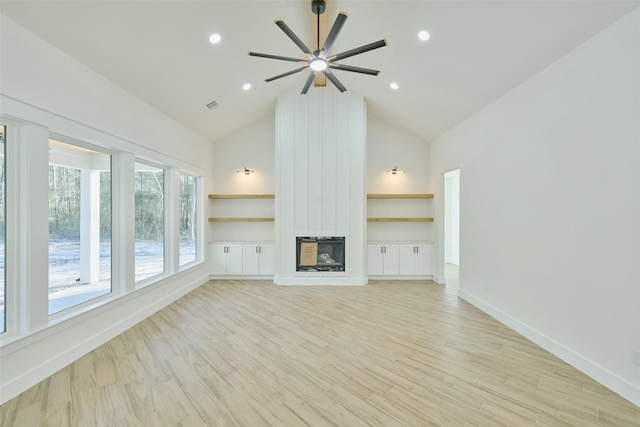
(249,353)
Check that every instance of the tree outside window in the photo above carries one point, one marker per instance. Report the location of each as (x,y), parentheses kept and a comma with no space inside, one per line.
(149,221)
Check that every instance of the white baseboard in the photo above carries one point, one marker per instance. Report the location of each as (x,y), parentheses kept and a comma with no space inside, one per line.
(401,277)
(440,280)
(593,370)
(46,363)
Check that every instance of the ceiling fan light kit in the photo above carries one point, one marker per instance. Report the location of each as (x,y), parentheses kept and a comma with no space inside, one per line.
(318,61)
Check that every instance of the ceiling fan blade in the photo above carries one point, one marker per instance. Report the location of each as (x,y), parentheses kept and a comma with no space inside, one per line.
(280,23)
(288,73)
(334,80)
(307,85)
(283,58)
(354,69)
(333,34)
(358,50)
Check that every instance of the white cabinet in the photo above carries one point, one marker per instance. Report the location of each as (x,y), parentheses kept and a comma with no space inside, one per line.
(415,259)
(401,259)
(241,258)
(382,259)
(226,258)
(258,259)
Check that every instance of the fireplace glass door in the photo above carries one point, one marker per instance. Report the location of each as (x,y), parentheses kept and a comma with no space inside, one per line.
(320,254)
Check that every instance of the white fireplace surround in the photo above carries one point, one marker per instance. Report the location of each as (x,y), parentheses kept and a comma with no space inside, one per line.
(320,181)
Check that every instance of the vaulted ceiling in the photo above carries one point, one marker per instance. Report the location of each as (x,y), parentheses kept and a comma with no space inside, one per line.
(159,51)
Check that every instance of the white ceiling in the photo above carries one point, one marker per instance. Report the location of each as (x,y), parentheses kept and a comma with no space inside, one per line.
(159,51)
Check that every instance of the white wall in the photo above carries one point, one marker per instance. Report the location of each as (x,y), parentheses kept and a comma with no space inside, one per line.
(389,146)
(451,217)
(43,90)
(254,148)
(550,201)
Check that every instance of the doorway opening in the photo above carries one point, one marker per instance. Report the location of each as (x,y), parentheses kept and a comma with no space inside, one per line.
(452,228)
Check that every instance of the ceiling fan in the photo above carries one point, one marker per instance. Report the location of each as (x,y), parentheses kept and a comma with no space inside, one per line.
(319,60)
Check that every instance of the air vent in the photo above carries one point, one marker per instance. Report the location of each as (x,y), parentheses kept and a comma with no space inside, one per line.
(212,105)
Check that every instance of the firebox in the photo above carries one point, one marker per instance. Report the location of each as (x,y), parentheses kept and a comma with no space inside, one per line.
(320,254)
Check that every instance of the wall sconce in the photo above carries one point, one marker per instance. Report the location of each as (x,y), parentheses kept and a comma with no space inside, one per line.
(245,171)
(395,170)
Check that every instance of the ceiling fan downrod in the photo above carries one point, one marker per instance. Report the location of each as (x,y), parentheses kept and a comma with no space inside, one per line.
(318,7)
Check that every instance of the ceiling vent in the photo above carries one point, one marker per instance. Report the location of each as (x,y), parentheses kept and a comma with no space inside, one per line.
(212,105)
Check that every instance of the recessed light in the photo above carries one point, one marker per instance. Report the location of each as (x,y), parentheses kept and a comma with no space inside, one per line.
(215,38)
(246,86)
(394,86)
(423,35)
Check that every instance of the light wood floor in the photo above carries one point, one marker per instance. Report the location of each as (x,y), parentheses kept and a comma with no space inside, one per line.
(392,353)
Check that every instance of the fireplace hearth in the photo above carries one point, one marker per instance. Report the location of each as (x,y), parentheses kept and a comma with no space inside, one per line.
(320,253)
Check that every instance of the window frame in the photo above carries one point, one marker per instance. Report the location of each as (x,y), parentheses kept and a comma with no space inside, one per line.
(166,267)
(198,232)
(114,289)
(4,126)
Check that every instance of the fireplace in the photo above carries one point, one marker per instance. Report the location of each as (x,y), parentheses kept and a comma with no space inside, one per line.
(320,254)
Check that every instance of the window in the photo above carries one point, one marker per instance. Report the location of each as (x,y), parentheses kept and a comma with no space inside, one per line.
(111,222)
(188,218)
(149,220)
(79,225)
(2,228)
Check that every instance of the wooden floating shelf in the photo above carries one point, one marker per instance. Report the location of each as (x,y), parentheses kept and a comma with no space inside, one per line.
(420,219)
(399,196)
(241,196)
(241,219)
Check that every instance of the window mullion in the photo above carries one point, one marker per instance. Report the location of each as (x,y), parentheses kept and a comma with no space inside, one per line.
(172,222)
(30,230)
(123,222)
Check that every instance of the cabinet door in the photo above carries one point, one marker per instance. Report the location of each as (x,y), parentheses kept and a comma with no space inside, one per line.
(408,259)
(234,258)
(423,259)
(391,260)
(218,256)
(251,259)
(267,259)
(375,260)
